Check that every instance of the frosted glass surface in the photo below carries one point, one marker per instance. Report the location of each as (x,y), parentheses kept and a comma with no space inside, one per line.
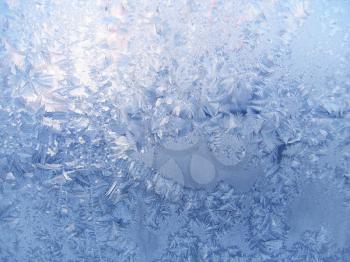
(175,130)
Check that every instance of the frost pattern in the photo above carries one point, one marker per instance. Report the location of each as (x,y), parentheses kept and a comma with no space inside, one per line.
(175,130)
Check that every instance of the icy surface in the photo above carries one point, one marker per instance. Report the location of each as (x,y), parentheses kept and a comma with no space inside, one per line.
(175,130)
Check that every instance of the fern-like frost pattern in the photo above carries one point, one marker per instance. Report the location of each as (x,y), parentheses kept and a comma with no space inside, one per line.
(176,130)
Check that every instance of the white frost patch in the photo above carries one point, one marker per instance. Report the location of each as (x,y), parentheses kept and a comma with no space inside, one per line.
(172,171)
(202,171)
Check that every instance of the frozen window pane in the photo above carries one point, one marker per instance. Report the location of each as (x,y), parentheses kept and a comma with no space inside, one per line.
(214,130)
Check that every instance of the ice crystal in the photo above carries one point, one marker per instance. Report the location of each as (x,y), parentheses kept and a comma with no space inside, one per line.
(174,130)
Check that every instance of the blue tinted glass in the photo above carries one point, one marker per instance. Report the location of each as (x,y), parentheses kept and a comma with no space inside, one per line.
(175,130)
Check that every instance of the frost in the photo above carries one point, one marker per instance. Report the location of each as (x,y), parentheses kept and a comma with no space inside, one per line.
(172,171)
(174,130)
(202,171)
(227,149)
